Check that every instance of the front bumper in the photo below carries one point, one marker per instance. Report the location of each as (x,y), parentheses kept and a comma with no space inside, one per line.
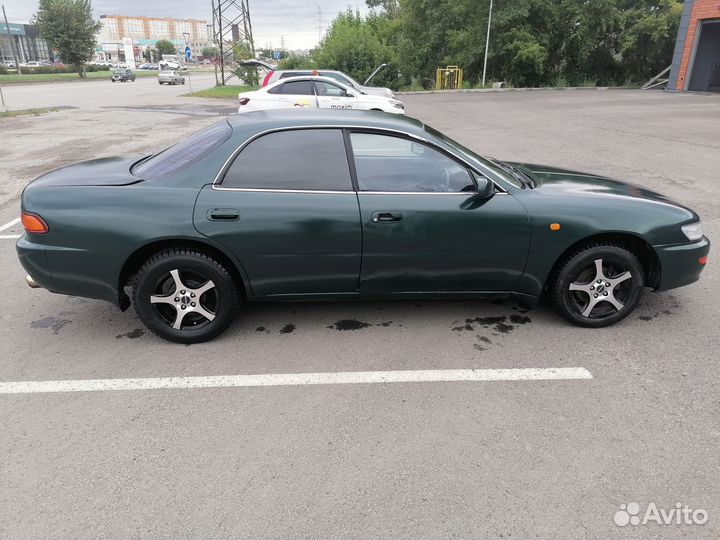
(680,264)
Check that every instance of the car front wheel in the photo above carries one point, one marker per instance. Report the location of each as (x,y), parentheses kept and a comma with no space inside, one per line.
(598,286)
(185,296)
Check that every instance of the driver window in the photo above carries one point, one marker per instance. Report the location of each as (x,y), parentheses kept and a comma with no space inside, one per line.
(327,89)
(388,163)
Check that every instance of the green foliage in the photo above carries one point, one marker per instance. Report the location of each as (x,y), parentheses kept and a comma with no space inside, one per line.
(353,46)
(164,46)
(532,42)
(211,52)
(248,75)
(68,26)
(296,61)
(3,70)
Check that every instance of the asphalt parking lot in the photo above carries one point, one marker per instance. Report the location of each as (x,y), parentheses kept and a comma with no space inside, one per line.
(513,459)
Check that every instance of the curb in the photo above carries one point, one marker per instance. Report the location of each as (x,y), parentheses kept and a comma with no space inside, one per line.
(541,89)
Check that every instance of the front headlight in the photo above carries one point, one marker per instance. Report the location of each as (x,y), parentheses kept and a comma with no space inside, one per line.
(693,231)
(398,105)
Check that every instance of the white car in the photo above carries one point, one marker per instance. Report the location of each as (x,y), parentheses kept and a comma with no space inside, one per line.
(170,77)
(315,93)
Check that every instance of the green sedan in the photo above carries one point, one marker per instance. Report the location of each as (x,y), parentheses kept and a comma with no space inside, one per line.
(316,205)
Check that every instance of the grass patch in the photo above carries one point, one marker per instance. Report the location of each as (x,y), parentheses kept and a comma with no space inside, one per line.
(222,92)
(29,112)
(64,77)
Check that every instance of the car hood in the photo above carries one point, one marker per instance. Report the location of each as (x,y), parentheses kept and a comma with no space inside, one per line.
(567,182)
(377,91)
(109,171)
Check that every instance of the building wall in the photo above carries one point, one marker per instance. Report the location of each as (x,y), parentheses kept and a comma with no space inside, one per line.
(694,13)
(146,31)
(27,42)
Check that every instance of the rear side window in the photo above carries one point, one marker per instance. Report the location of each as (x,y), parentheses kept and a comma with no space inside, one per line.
(294,74)
(184,153)
(305,159)
(295,88)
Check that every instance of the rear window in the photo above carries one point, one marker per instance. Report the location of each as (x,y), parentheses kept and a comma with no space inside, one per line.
(184,153)
(304,159)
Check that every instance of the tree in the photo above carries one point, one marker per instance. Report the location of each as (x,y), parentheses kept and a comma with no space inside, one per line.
(211,52)
(163,46)
(352,46)
(243,51)
(68,25)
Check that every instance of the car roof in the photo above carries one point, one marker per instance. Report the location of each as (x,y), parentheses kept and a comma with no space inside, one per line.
(251,123)
(309,78)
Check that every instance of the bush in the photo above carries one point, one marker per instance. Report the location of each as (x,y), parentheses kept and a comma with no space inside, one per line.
(3,70)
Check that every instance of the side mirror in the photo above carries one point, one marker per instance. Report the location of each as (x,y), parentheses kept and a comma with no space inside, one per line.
(485,187)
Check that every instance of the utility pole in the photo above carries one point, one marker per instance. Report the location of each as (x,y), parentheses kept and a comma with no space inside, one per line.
(487,42)
(186,35)
(232,26)
(319,21)
(12,44)
(282,42)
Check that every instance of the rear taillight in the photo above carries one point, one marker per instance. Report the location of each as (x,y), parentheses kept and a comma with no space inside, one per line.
(244,101)
(266,80)
(33,223)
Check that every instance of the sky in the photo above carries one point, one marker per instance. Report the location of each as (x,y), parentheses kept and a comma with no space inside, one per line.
(295,21)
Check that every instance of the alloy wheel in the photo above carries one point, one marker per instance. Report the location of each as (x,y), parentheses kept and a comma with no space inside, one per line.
(600,290)
(185,299)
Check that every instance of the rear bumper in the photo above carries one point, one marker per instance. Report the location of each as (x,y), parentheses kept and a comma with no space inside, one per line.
(680,264)
(34,260)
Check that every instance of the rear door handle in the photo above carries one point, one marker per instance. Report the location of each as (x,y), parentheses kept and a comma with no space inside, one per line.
(384,216)
(223,214)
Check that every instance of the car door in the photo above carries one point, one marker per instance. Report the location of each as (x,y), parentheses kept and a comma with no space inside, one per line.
(333,96)
(292,94)
(425,227)
(286,208)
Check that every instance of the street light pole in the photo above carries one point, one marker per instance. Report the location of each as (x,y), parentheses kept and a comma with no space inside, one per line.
(487,42)
(12,45)
(186,35)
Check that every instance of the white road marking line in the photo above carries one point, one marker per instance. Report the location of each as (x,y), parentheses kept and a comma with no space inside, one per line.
(297,379)
(10,224)
(10,236)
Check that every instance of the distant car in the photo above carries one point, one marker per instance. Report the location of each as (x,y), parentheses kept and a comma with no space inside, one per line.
(315,93)
(170,77)
(206,61)
(33,64)
(347,80)
(122,75)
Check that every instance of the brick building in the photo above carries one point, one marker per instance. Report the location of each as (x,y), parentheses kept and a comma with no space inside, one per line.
(696,62)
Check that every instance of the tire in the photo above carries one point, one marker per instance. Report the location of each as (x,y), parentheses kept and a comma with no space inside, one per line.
(183,81)
(202,312)
(597,294)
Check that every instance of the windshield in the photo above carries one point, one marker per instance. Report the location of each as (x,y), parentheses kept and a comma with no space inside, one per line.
(505,175)
(184,153)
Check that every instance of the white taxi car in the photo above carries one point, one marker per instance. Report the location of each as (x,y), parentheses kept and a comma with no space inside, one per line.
(316,93)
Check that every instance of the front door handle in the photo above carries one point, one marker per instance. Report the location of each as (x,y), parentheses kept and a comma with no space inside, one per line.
(223,214)
(386,217)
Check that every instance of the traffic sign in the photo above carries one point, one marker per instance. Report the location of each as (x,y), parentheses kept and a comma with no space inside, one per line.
(188,53)
(277,55)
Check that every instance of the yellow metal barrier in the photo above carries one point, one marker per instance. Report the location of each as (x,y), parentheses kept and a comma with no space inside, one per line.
(449,78)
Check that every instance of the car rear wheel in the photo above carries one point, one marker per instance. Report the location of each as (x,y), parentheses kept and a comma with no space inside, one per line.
(185,296)
(598,286)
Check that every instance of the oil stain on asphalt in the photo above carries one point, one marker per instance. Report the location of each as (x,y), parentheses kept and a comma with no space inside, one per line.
(287,329)
(132,334)
(53,323)
(354,324)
